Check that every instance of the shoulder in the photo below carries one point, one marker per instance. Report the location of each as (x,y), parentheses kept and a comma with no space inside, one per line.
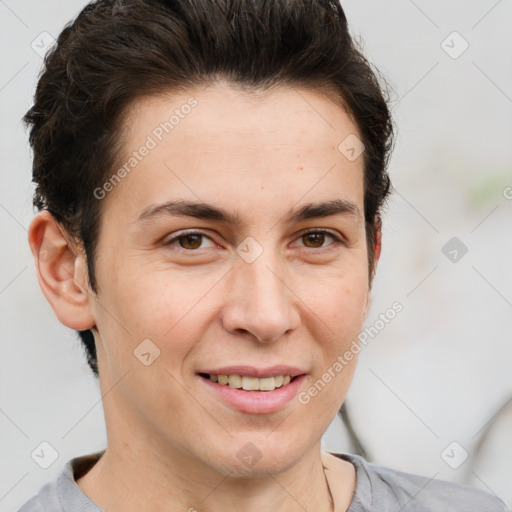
(383,488)
(63,494)
(46,499)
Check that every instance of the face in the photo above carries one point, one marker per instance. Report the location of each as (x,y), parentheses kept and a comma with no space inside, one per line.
(188,291)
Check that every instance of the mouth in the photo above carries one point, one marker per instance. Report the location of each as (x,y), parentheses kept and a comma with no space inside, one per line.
(248,383)
(252,395)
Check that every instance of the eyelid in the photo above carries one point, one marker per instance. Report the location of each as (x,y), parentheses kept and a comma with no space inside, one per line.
(338,241)
(334,234)
(181,234)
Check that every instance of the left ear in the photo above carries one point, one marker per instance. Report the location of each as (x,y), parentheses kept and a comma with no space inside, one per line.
(377,247)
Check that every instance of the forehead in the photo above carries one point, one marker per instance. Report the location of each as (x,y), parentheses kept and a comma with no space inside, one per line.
(223,110)
(211,142)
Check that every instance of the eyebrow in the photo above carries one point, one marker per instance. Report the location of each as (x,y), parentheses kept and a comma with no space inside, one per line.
(206,211)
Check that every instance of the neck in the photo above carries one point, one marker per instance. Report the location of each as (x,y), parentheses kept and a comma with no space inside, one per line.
(132,480)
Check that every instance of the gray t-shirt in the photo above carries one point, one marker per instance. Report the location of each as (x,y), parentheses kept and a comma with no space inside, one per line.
(378,489)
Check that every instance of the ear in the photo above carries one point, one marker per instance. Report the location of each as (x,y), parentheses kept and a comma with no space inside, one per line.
(61,271)
(377,247)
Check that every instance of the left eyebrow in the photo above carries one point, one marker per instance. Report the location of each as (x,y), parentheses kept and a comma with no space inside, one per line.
(324,209)
(206,211)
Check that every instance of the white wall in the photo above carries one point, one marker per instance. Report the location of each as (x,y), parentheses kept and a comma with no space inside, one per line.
(438,372)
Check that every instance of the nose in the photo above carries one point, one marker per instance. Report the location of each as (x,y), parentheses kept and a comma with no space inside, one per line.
(260,302)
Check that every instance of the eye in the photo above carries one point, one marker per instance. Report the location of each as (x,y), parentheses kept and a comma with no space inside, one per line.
(189,241)
(317,237)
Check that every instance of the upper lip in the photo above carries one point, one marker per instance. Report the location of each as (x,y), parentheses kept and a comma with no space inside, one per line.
(251,371)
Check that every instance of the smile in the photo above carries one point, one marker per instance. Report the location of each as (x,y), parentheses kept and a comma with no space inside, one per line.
(253,395)
(250,383)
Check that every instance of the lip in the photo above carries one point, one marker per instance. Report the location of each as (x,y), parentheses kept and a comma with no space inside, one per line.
(251,371)
(255,402)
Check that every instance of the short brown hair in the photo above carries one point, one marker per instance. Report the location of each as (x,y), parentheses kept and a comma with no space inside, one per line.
(117,51)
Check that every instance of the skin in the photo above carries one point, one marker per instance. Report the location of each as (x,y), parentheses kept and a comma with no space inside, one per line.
(301,302)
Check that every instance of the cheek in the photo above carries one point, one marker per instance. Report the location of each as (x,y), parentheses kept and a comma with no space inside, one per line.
(339,300)
(340,307)
(151,300)
(168,307)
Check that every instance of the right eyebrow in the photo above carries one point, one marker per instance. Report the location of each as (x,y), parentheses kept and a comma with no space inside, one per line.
(189,209)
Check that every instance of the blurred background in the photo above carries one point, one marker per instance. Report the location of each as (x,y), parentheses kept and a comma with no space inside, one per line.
(432,394)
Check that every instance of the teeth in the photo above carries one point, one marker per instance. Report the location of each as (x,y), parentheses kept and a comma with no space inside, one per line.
(252,383)
(235,381)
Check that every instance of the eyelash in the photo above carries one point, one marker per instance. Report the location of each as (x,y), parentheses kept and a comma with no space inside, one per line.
(337,239)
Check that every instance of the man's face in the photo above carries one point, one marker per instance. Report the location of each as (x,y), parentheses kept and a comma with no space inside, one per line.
(258,293)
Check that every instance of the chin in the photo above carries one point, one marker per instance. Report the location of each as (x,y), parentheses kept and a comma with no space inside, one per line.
(256,456)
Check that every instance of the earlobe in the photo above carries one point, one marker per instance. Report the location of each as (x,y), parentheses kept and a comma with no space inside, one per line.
(61,272)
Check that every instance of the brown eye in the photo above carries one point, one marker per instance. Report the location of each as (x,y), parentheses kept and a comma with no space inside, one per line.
(187,241)
(190,241)
(316,239)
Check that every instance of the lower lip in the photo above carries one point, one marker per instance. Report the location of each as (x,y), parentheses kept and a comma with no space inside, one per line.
(256,402)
